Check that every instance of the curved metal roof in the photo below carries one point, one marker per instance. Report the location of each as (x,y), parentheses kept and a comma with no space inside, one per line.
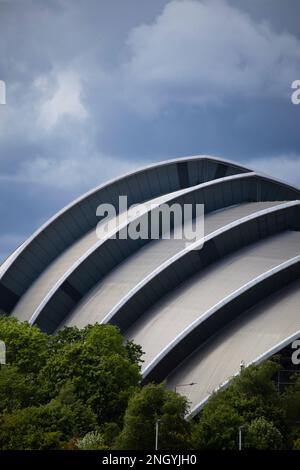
(173,298)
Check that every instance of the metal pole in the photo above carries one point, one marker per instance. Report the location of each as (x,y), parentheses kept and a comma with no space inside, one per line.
(240,438)
(156,434)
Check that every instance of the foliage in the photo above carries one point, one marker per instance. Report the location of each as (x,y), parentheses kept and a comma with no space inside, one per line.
(152,403)
(46,426)
(253,393)
(99,365)
(296,444)
(56,389)
(290,404)
(263,435)
(250,396)
(16,390)
(290,400)
(217,428)
(26,345)
(91,441)
(80,389)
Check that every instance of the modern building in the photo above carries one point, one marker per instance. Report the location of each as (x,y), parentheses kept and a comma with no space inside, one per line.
(197,313)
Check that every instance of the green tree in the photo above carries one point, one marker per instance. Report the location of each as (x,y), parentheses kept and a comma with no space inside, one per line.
(100,366)
(68,335)
(145,407)
(26,345)
(217,428)
(290,402)
(250,396)
(110,432)
(48,426)
(253,393)
(263,435)
(16,390)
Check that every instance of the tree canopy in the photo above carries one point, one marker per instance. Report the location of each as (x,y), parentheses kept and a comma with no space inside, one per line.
(151,404)
(55,389)
(81,389)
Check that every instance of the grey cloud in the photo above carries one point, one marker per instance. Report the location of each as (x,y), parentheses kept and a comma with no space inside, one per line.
(94,90)
(202,52)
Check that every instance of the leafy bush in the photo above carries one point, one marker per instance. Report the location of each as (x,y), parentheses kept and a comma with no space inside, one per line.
(91,441)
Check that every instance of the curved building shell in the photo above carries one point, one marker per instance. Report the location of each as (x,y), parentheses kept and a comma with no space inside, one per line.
(197,312)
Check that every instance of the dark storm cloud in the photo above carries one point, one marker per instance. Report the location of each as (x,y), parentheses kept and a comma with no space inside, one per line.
(96,88)
(283,14)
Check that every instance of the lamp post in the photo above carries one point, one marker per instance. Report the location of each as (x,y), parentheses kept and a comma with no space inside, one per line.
(240,436)
(184,385)
(156,433)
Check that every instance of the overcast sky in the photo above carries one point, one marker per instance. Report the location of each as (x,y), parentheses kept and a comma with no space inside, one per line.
(99,87)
